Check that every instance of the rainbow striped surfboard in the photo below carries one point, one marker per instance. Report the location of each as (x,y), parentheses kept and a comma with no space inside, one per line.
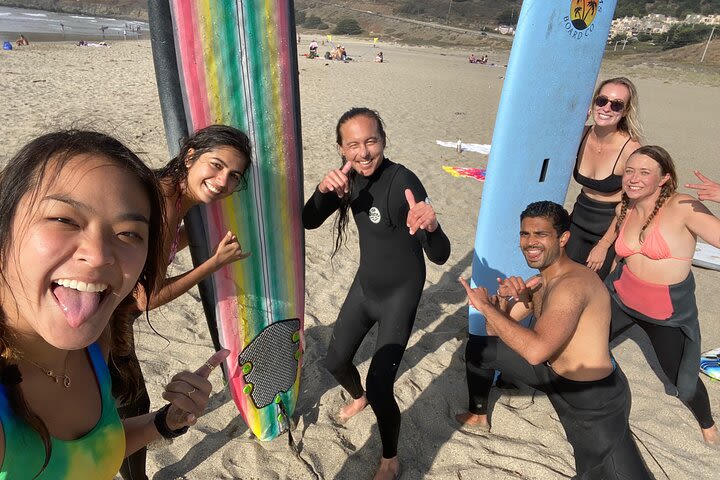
(235,62)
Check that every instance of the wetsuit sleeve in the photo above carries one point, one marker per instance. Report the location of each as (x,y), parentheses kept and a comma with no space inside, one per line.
(318,208)
(436,244)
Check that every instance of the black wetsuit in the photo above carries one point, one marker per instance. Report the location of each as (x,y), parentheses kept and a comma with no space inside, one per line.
(386,289)
(594,414)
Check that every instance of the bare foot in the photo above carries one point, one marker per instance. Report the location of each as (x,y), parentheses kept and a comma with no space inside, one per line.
(389,469)
(473,421)
(711,436)
(351,409)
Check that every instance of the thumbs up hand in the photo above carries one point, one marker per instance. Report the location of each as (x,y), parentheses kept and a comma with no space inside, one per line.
(421,215)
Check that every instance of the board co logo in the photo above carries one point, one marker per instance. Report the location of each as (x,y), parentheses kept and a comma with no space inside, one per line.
(579,23)
(374,215)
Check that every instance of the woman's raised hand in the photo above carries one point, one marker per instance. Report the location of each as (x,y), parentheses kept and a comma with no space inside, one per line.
(707,190)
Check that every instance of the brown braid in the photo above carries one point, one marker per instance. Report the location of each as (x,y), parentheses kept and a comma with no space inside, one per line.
(623,211)
(665,193)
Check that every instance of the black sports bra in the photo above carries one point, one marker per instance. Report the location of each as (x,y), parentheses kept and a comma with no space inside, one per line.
(610,184)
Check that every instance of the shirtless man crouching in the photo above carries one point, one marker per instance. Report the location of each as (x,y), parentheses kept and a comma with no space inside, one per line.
(564,354)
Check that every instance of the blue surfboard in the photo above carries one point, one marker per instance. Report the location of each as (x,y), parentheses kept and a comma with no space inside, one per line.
(551,74)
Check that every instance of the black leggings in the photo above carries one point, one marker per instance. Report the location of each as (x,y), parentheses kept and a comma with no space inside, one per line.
(668,345)
(593,414)
(133,467)
(395,317)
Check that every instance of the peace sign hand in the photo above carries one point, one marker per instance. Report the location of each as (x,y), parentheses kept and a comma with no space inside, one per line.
(707,190)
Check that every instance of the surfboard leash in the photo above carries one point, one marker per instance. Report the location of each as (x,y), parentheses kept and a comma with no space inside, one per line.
(291,442)
(288,425)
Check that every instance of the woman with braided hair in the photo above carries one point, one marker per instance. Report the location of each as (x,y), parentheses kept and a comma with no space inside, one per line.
(652,285)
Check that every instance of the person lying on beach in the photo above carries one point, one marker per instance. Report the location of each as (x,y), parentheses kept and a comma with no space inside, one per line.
(395,223)
(652,285)
(210,166)
(80,229)
(564,354)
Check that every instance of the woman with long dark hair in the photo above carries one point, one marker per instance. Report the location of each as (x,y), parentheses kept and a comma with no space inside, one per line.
(396,224)
(80,231)
(210,166)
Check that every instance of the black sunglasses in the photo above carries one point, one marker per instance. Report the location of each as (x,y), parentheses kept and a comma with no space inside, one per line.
(615,105)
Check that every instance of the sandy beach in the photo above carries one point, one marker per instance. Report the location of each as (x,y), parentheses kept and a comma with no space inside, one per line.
(424,94)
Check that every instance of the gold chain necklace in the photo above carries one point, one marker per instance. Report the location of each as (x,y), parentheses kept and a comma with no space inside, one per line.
(63,378)
(598,144)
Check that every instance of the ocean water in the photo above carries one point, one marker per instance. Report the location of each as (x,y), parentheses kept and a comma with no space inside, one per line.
(42,25)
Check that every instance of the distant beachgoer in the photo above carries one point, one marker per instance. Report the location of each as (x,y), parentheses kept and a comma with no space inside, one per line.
(313,49)
(379,57)
(472,58)
(22,41)
(335,53)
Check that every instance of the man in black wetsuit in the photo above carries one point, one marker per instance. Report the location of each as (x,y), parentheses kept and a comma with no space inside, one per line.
(394,230)
(565,354)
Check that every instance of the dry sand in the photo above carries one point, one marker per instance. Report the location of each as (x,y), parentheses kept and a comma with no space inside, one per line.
(424,94)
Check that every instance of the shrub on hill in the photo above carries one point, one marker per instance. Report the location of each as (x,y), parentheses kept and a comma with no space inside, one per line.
(313,21)
(347,26)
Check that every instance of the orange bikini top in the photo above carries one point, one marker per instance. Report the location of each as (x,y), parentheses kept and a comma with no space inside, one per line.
(654,247)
